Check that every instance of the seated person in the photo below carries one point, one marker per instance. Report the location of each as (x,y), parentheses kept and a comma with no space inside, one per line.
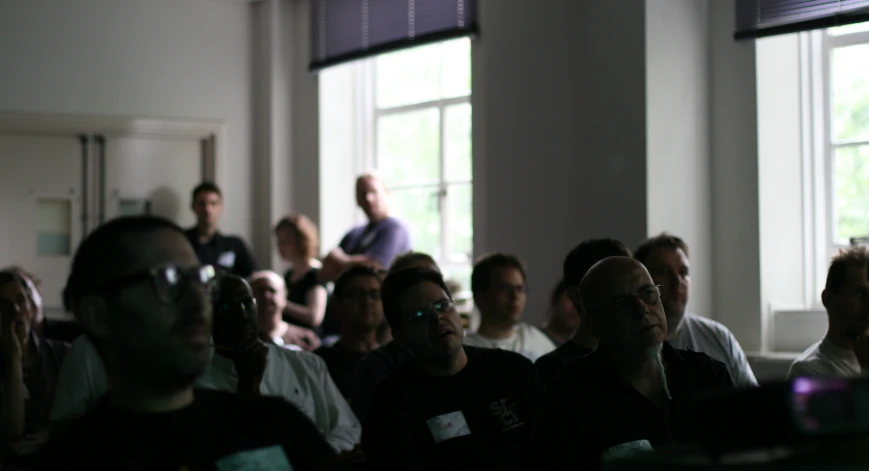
(666,258)
(356,300)
(63,331)
(298,244)
(498,284)
(635,392)
(451,406)
(143,300)
(301,378)
(29,365)
(562,320)
(381,362)
(375,243)
(270,292)
(844,351)
(576,264)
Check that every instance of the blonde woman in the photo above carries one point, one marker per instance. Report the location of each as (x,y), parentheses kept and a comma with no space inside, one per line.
(298,243)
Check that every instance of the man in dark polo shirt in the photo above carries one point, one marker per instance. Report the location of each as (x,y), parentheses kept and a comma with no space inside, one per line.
(635,392)
(576,264)
(227,253)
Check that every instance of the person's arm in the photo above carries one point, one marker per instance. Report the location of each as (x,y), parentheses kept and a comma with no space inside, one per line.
(312,313)
(245,264)
(813,368)
(340,426)
(338,261)
(12,393)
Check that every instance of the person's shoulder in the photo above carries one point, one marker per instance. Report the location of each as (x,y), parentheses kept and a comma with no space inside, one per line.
(813,353)
(703,367)
(394,223)
(297,359)
(233,240)
(704,323)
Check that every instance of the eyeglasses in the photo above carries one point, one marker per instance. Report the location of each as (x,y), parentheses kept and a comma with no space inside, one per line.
(169,282)
(247,305)
(648,295)
(440,307)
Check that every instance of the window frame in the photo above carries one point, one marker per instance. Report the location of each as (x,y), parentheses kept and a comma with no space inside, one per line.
(369,116)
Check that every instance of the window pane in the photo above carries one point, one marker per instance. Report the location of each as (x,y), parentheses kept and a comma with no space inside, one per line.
(848,29)
(851,167)
(54,227)
(850,78)
(461,223)
(407,147)
(460,274)
(456,80)
(418,208)
(457,142)
(408,76)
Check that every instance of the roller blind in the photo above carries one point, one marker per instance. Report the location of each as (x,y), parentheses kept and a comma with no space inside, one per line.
(344,30)
(759,18)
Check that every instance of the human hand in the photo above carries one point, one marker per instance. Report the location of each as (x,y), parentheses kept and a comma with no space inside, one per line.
(11,347)
(307,339)
(250,358)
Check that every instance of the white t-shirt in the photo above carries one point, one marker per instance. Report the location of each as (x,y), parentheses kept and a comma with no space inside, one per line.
(700,334)
(299,377)
(526,340)
(826,359)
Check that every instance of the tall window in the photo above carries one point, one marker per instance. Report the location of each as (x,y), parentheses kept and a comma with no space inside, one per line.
(846,126)
(418,117)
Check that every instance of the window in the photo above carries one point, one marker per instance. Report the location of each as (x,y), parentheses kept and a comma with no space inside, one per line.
(417,132)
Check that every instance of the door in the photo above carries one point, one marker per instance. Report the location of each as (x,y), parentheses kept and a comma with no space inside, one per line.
(41,185)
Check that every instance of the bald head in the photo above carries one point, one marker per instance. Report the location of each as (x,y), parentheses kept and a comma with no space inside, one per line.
(620,296)
(371,197)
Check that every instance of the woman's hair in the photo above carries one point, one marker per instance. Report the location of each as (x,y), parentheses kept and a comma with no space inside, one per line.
(305,232)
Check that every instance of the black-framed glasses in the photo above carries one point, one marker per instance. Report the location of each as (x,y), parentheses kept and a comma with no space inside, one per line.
(169,282)
(439,307)
(648,295)
(247,305)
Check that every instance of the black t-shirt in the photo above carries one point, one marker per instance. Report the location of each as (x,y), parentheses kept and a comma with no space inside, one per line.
(479,418)
(341,362)
(297,292)
(227,253)
(549,365)
(589,411)
(217,431)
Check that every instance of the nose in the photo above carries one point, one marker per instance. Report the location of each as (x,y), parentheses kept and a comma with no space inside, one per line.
(370,197)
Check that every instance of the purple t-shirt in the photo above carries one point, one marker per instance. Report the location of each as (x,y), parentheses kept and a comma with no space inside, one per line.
(382,241)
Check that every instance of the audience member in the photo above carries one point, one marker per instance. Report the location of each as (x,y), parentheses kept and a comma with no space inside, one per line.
(298,243)
(378,241)
(29,365)
(356,300)
(226,253)
(449,407)
(634,392)
(666,258)
(498,284)
(844,351)
(380,363)
(583,342)
(562,318)
(270,292)
(144,302)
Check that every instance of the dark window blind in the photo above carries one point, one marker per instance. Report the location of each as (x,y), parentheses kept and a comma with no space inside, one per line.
(344,30)
(759,18)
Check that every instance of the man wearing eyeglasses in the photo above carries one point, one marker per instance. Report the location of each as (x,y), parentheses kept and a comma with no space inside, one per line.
(635,392)
(356,303)
(144,302)
(451,406)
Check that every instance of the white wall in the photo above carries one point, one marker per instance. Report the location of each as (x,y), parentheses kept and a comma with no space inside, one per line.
(160,58)
(734,168)
(559,131)
(677,114)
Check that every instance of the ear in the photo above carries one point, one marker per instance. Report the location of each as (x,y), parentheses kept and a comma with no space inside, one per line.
(93,313)
(573,294)
(825,298)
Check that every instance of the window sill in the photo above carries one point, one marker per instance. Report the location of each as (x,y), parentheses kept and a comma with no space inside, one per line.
(794,330)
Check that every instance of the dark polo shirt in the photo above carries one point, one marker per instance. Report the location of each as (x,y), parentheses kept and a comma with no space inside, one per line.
(227,253)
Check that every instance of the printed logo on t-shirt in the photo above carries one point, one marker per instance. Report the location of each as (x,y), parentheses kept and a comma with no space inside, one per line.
(447,426)
(508,414)
(624,450)
(367,240)
(226,259)
(271,458)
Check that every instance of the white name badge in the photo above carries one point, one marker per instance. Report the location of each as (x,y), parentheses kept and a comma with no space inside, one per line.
(447,426)
(226,259)
(263,459)
(624,450)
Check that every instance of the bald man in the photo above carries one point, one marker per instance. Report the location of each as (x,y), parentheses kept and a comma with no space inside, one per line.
(635,392)
(376,242)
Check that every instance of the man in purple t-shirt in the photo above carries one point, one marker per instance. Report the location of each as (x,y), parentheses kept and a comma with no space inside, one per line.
(377,242)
